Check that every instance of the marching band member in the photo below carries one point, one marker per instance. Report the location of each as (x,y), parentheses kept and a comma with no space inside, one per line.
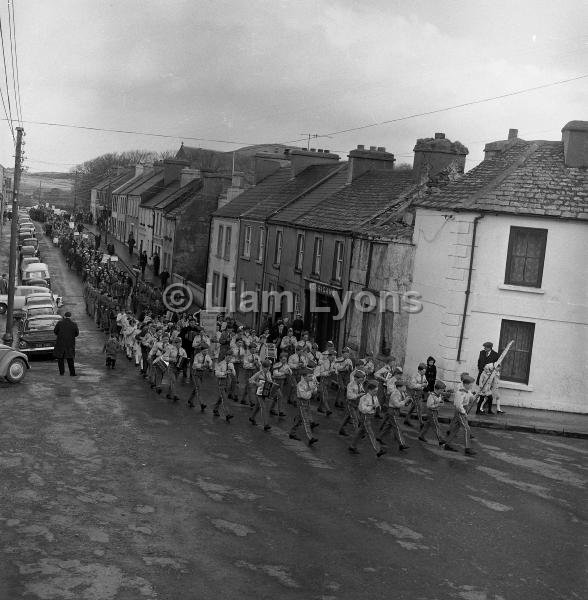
(324,373)
(418,384)
(175,356)
(223,370)
(202,363)
(461,399)
(297,362)
(343,366)
(263,381)
(157,367)
(250,365)
(397,399)
(434,401)
(355,389)
(281,372)
(305,390)
(367,407)
(289,342)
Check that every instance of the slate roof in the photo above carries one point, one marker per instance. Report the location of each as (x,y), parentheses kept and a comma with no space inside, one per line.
(526,178)
(290,190)
(349,207)
(174,203)
(155,180)
(116,181)
(160,199)
(136,183)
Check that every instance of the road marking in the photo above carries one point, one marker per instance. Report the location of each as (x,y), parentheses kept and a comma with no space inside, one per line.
(492,505)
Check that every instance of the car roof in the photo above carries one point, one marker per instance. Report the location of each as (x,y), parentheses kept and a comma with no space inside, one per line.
(44,318)
(38,267)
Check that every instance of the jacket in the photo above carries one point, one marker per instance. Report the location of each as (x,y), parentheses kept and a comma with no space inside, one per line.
(66,331)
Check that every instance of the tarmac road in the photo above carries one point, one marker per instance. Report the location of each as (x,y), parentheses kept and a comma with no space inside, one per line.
(110,491)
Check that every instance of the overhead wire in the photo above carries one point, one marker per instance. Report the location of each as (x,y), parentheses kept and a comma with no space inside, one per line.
(6,79)
(14,57)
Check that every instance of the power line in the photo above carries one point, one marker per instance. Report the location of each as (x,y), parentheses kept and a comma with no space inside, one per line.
(6,78)
(14,56)
(455,106)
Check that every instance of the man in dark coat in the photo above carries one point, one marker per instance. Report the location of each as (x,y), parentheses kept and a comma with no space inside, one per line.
(156,263)
(298,326)
(66,331)
(487,357)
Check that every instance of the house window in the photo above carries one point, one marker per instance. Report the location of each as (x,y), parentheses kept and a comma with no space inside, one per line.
(247,242)
(338,261)
(224,288)
(228,231)
(215,286)
(296,304)
(278,252)
(517,363)
(526,255)
(219,241)
(261,247)
(272,299)
(317,255)
(299,251)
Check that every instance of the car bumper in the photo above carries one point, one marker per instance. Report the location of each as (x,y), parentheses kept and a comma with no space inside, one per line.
(39,350)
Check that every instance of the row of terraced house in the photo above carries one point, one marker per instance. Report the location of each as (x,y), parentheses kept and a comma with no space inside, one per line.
(429,260)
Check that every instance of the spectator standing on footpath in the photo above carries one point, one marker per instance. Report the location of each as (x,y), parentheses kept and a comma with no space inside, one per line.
(66,331)
(97,240)
(156,262)
(163,277)
(131,243)
(143,263)
(3,284)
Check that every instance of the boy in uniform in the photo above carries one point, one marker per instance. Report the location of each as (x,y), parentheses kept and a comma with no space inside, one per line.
(281,371)
(343,366)
(434,401)
(175,356)
(250,365)
(298,363)
(223,371)
(462,398)
(201,363)
(263,381)
(355,390)
(397,399)
(417,390)
(111,348)
(305,390)
(367,407)
(324,373)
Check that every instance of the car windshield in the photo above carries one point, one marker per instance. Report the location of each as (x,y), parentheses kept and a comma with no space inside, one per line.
(35,274)
(37,302)
(38,324)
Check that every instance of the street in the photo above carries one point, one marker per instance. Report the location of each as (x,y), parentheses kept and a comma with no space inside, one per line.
(110,491)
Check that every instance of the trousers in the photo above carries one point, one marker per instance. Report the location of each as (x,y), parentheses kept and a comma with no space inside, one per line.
(70,365)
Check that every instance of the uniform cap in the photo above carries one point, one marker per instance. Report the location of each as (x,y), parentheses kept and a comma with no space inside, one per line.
(487,344)
(359,373)
(467,379)
(440,385)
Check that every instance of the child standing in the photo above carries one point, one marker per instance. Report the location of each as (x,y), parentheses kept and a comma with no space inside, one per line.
(431,374)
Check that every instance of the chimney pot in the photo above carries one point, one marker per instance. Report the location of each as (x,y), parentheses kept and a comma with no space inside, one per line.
(313,149)
(439,136)
(513,133)
(381,149)
(372,148)
(360,147)
(320,150)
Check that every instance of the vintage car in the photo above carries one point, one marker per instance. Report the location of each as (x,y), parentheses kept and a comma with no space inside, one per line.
(36,310)
(27,250)
(37,335)
(25,261)
(13,364)
(20,294)
(36,271)
(39,299)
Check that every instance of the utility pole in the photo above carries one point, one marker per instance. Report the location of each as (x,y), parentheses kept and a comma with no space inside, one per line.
(8,338)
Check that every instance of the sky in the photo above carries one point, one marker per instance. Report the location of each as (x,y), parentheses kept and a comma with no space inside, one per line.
(234,73)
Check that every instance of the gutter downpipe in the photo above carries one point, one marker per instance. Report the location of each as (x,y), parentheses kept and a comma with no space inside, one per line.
(468,288)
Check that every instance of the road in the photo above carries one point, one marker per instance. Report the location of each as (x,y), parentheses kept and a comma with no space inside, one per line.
(110,491)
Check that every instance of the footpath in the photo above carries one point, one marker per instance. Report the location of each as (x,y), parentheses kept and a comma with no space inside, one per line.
(530,420)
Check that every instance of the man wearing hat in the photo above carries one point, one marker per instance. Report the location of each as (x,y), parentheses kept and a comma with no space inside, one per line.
(487,357)
(66,331)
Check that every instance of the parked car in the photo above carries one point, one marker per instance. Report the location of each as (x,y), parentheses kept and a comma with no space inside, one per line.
(25,261)
(13,364)
(32,241)
(20,294)
(39,299)
(37,335)
(26,250)
(45,308)
(36,271)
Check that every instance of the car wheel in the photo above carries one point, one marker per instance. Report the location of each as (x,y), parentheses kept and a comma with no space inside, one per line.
(3,308)
(16,370)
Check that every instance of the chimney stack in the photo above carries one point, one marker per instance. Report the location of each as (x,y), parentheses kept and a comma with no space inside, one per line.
(574,136)
(172,167)
(375,159)
(187,174)
(492,149)
(267,163)
(513,134)
(432,155)
(301,159)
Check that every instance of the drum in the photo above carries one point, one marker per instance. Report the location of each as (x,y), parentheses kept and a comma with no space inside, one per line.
(268,386)
(160,365)
(181,362)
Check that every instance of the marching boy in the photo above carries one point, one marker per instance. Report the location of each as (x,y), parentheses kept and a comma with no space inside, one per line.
(461,400)
(417,391)
(281,371)
(396,400)
(305,390)
(251,364)
(434,401)
(368,404)
(111,348)
(263,381)
(201,363)
(223,372)
(355,390)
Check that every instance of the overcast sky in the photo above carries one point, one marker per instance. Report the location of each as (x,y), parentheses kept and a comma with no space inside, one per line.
(264,71)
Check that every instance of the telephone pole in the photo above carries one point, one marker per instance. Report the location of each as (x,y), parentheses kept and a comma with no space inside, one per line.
(8,338)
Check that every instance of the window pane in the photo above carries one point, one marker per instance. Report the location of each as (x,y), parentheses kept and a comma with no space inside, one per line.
(517,364)
(531,271)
